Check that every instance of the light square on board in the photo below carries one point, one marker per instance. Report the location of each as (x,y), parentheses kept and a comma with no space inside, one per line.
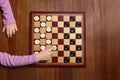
(73,47)
(48,46)
(48,24)
(79,53)
(66,53)
(66,30)
(50,60)
(55,54)
(36,36)
(60,36)
(60,47)
(60,24)
(78,30)
(54,30)
(36,47)
(66,18)
(79,41)
(60,59)
(73,59)
(72,36)
(36,24)
(42,30)
(72,24)
(43,18)
(55,41)
(66,41)
(79,18)
(42,41)
(48,36)
(54,18)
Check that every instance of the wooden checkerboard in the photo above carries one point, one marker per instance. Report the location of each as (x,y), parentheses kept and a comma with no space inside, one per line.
(65,31)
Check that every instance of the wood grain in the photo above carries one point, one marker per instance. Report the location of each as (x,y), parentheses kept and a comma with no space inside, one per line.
(102,40)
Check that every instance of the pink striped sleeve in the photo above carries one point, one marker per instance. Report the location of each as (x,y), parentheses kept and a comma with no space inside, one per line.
(7,14)
(14,61)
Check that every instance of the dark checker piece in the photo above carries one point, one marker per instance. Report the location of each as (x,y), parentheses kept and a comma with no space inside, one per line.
(78,36)
(78,47)
(72,30)
(72,18)
(72,41)
(78,59)
(72,53)
(66,24)
(78,24)
(66,59)
(66,48)
(66,36)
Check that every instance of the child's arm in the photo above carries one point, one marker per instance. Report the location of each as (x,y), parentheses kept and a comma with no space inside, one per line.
(11,61)
(14,61)
(8,19)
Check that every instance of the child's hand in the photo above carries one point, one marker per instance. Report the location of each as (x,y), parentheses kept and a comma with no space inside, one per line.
(10,29)
(44,55)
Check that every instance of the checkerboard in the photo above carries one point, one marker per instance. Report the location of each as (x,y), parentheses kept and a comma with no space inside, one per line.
(65,31)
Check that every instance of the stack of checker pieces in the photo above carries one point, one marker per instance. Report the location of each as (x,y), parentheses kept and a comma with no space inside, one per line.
(64,31)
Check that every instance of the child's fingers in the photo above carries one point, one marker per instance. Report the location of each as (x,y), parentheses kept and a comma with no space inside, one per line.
(3,30)
(16,29)
(51,53)
(13,32)
(50,49)
(8,34)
